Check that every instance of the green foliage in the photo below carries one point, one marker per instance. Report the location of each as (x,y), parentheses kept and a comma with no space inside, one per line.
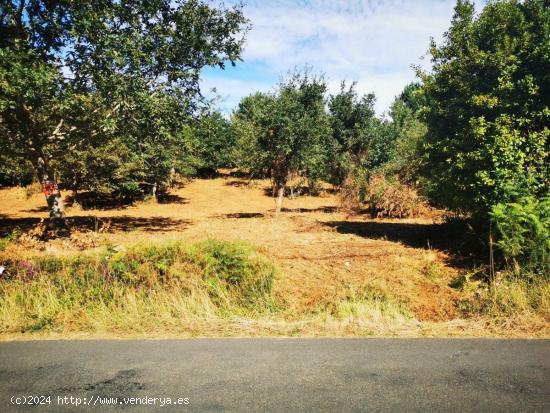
(85,84)
(356,134)
(524,235)
(487,106)
(408,130)
(506,298)
(214,143)
(15,171)
(245,122)
(235,269)
(413,97)
(32,101)
(143,287)
(285,131)
(4,241)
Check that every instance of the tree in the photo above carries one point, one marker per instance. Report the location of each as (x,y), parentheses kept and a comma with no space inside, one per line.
(292,126)
(488,107)
(136,152)
(246,124)
(76,75)
(408,131)
(15,171)
(354,132)
(215,142)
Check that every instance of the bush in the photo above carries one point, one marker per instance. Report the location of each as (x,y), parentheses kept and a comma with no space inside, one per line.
(504,298)
(392,199)
(234,269)
(353,190)
(524,235)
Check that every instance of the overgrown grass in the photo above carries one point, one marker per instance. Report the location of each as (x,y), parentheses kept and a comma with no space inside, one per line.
(508,300)
(142,289)
(4,241)
(224,288)
(172,287)
(376,308)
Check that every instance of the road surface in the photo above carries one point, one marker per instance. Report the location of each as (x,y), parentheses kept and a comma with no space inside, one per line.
(279,375)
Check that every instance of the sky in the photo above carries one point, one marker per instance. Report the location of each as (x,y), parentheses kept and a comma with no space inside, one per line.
(372,42)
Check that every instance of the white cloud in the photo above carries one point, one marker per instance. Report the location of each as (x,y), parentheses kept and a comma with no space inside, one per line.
(374,42)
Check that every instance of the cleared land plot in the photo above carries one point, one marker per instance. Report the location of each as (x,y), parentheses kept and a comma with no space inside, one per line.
(324,256)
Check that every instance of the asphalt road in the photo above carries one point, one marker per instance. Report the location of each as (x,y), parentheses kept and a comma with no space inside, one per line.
(279,375)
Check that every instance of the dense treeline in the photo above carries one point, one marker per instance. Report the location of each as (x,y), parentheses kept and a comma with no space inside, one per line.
(104,97)
(487,113)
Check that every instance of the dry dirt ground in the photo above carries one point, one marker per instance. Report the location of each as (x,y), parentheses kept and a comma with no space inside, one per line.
(323,254)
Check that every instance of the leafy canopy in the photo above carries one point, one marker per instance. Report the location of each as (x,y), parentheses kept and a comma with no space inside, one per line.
(81,78)
(488,106)
(285,131)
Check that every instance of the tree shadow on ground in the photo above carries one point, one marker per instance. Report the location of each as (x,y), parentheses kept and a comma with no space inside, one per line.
(297,192)
(94,200)
(456,238)
(242,215)
(103,224)
(37,209)
(171,199)
(238,183)
(236,174)
(245,215)
(325,209)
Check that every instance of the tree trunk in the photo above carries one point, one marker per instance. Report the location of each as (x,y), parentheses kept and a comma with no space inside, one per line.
(55,203)
(154,191)
(279,201)
(53,195)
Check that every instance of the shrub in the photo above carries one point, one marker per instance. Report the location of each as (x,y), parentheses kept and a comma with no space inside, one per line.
(524,235)
(390,198)
(506,297)
(353,190)
(4,241)
(234,269)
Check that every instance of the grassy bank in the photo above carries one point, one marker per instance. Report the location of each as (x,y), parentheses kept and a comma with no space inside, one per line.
(174,287)
(509,302)
(215,288)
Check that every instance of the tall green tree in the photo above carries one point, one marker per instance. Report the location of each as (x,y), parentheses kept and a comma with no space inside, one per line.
(488,106)
(408,131)
(247,128)
(355,130)
(76,75)
(291,126)
(215,143)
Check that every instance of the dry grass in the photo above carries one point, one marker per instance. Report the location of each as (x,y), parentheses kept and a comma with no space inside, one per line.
(338,275)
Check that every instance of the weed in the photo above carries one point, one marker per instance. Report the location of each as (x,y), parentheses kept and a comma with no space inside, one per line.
(506,297)
(4,241)
(430,267)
